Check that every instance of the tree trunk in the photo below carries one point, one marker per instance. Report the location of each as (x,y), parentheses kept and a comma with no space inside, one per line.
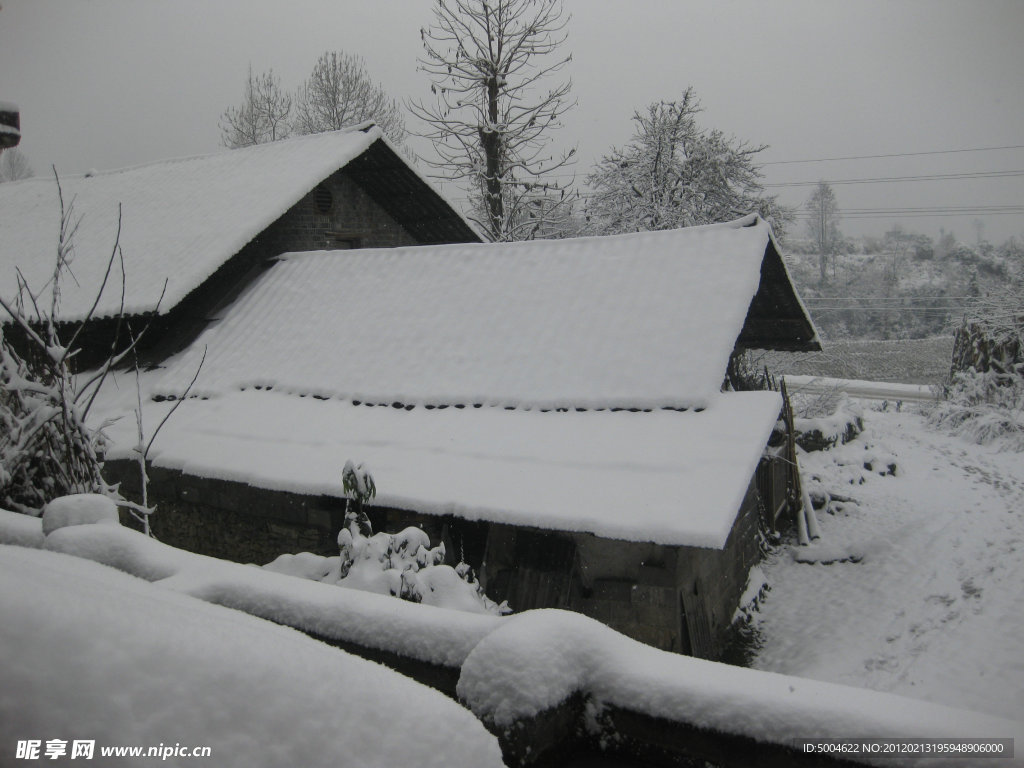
(491,141)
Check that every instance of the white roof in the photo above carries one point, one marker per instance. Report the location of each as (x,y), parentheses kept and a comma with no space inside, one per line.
(639,320)
(665,476)
(180,219)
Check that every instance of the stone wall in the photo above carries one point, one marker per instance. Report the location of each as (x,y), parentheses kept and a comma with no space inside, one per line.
(675,598)
(231,520)
(243,523)
(679,599)
(339,214)
(711,581)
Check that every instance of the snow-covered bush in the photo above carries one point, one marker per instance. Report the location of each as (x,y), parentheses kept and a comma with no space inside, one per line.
(985,396)
(839,426)
(986,408)
(46,448)
(403,564)
(993,339)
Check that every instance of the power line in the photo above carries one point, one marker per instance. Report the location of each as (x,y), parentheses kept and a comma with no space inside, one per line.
(934,208)
(581,175)
(962,210)
(920,212)
(803,217)
(889,179)
(893,154)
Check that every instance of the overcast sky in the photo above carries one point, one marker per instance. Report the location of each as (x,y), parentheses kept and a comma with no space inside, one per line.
(109,83)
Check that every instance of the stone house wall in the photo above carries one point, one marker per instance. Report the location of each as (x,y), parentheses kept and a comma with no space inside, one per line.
(338,214)
(675,598)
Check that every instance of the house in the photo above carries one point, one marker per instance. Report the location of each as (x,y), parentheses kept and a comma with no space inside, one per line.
(194,231)
(552,410)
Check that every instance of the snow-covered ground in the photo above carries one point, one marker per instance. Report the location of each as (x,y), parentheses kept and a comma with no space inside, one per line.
(923,593)
(90,653)
(132,669)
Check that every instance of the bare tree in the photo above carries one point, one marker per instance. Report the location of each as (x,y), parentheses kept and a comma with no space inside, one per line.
(14,165)
(339,92)
(823,225)
(262,116)
(492,117)
(675,174)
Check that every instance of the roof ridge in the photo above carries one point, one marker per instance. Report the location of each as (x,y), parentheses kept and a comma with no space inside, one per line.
(364,127)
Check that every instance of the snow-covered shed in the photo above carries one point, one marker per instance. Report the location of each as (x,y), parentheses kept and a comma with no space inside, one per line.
(552,409)
(193,231)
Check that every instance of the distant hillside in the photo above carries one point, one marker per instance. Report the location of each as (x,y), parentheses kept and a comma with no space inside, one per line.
(901,286)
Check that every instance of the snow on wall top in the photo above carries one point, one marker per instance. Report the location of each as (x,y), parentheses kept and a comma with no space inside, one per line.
(174,651)
(639,320)
(180,219)
(665,476)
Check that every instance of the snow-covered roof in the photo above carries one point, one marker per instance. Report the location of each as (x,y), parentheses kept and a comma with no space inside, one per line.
(181,219)
(643,320)
(665,476)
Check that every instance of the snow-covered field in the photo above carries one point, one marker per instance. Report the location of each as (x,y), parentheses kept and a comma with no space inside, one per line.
(923,593)
(909,361)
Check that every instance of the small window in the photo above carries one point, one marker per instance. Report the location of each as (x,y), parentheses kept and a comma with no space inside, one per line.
(323,199)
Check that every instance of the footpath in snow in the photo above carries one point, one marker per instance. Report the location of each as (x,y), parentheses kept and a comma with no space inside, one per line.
(923,594)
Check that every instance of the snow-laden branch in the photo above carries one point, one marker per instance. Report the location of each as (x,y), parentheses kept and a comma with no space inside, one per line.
(490,121)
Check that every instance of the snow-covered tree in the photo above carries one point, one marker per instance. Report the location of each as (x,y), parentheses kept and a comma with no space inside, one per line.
(46,448)
(673,173)
(339,92)
(823,225)
(491,119)
(261,117)
(14,165)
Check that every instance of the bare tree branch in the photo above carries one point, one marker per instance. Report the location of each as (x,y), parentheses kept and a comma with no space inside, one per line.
(340,93)
(263,115)
(491,118)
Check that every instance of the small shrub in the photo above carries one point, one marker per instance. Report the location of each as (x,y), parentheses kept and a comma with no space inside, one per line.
(838,421)
(985,397)
(46,448)
(403,564)
(986,408)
